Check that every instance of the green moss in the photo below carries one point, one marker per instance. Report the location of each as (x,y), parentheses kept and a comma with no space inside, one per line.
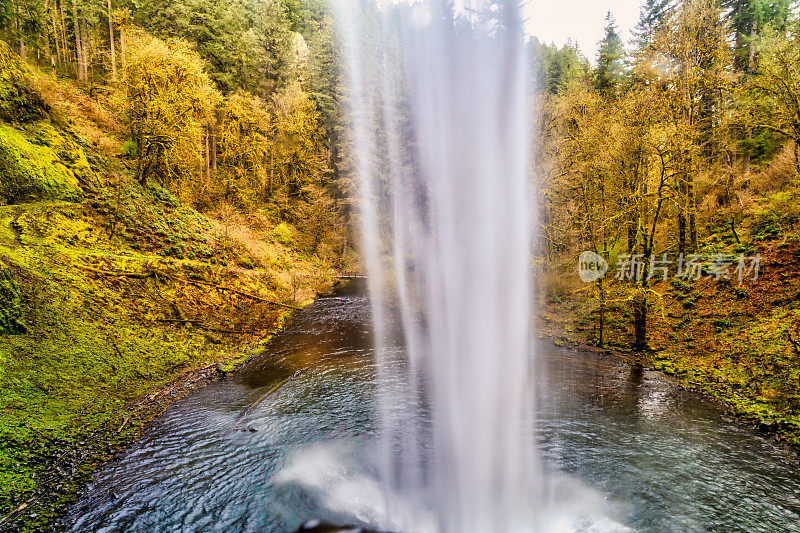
(95,340)
(7,235)
(38,160)
(19,102)
(752,368)
(58,224)
(91,347)
(10,304)
(108,316)
(680,285)
(40,163)
(720,325)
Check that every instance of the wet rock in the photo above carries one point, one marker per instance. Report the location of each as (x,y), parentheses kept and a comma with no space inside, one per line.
(318,526)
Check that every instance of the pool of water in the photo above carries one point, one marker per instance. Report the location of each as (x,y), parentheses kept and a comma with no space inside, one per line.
(291,436)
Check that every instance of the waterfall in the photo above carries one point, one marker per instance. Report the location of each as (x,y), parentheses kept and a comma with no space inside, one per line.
(439,118)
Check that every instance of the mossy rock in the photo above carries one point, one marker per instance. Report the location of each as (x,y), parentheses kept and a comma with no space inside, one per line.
(10,304)
(39,163)
(19,101)
(37,160)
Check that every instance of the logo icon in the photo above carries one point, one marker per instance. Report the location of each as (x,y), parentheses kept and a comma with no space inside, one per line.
(591,267)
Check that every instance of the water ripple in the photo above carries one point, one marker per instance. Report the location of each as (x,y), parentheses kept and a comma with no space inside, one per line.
(622,449)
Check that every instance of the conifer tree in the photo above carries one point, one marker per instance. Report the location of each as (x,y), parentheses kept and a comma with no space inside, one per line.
(651,16)
(749,18)
(610,59)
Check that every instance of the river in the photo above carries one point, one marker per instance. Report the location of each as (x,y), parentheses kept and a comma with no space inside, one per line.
(290,436)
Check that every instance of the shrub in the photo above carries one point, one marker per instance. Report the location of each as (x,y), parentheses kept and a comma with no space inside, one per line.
(285,234)
(779,213)
(128,149)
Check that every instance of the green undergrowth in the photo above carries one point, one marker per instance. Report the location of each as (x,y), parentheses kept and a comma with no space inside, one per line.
(114,298)
(752,366)
(99,310)
(19,101)
(10,304)
(738,342)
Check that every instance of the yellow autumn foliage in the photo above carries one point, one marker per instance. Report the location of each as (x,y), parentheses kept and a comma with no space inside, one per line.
(167,97)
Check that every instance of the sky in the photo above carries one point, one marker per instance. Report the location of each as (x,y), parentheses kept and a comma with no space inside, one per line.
(580,20)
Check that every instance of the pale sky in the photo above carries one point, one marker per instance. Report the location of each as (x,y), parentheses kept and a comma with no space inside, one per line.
(580,20)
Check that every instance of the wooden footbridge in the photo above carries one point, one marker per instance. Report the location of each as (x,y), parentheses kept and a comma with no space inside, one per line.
(350,274)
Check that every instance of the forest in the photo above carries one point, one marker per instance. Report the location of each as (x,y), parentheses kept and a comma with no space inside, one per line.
(675,158)
(178,179)
(172,189)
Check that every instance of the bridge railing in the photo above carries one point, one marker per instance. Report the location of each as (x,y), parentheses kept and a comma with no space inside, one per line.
(350,274)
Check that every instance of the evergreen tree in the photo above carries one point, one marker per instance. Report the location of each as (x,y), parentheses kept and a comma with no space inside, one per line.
(651,15)
(749,18)
(274,39)
(219,29)
(552,67)
(610,59)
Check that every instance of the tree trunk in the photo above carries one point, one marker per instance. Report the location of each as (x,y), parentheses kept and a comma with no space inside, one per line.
(751,66)
(645,209)
(690,201)
(48,45)
(602,312)
(271,174)
(631,234)
(751,60)
(214,146)
(733,229)
(640,322)
(53,55)
(111,42)
(681,233)
(122,48)
(85,44)
(737,13)
(201,165)
(797,157)
(78,46)
(64,44)
(18,30)
(140,175)
(208,157)
(747,153)
(56,37)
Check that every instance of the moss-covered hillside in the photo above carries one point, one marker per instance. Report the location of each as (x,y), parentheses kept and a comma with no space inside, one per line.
(736,341)
(109,290)
(39,160)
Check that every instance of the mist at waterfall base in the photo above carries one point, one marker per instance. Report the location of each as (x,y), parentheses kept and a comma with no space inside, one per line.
(439,112)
